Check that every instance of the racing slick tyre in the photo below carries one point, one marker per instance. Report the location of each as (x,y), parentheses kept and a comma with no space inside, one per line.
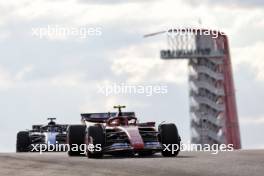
(169,137)
(95,136)
(23,141)
(75,138)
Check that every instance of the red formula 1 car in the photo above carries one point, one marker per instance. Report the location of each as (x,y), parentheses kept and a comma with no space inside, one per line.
(120,133)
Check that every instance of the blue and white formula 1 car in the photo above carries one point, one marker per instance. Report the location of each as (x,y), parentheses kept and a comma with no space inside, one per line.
(40,136)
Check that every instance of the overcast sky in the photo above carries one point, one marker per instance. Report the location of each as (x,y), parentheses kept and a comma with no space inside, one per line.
(59,76)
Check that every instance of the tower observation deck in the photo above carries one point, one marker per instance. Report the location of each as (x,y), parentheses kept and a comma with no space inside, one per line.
(213,110)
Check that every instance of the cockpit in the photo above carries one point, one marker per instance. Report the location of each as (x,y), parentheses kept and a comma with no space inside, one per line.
(122,119)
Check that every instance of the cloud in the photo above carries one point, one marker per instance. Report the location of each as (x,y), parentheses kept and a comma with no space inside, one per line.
(141,63)
(68,79)
(252,120)
(10,80)
(6,80)
(113,2)
(252,56)
(24,72)
(243,3)
(251,128)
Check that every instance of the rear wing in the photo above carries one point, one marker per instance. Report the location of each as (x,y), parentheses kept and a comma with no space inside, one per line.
(103,117)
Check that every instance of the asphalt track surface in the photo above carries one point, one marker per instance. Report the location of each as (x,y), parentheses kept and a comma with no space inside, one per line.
(240,163)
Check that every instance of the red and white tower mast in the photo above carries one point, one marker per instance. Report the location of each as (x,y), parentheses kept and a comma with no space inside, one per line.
(213,110)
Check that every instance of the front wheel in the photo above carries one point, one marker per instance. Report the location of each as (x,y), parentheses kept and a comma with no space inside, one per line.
(95,137)
(75,138)
(170,140)
(23,142)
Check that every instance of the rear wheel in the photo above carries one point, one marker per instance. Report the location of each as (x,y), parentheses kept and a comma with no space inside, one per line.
(96,137)
(170,138)
(23,142)
(75,138)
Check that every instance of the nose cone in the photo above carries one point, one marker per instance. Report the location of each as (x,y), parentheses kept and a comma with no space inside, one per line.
(51,138)
(134,137)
